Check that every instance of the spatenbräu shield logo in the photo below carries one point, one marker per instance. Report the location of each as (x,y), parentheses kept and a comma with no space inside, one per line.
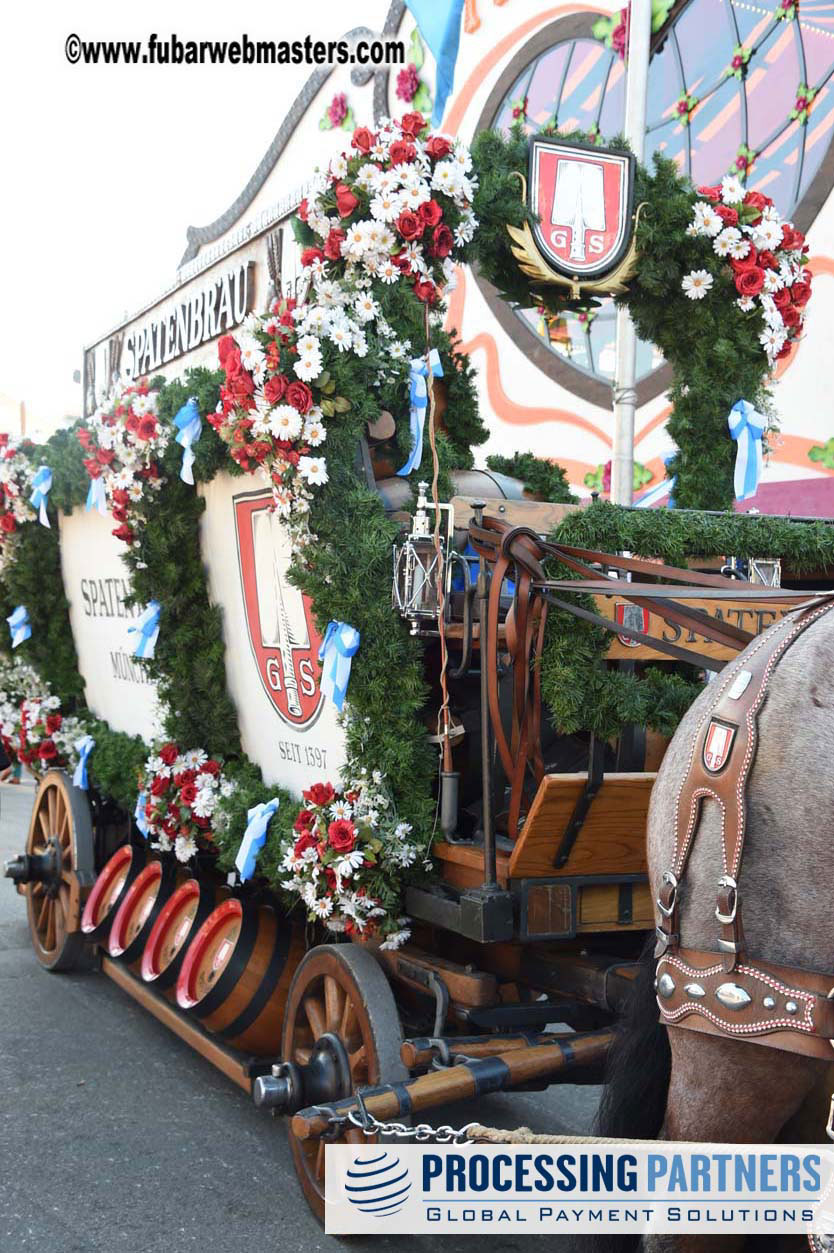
(279,619)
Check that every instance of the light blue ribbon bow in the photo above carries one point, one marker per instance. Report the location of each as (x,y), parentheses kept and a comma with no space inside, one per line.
(139,814)
(96,498)
(41,484)
(419,399)
(254,837)
(19,625)
(747,426)
(84,747)
(340,644)
(654,494)
(190,428)
(147,628)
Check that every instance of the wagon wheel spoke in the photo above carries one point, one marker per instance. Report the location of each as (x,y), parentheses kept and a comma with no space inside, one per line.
(320,1160)
(358,1061)
(51,800)
(43,822)
(64,899)
(355,1135)
(349,1027)
(334,999)
(302,1056)
(314,1009)
(49,938)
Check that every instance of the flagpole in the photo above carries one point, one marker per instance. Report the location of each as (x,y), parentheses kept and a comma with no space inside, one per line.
(625,395)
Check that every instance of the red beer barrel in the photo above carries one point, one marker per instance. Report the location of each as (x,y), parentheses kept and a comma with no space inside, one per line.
(139,909)
(109,891)
(237,972)
(178,921)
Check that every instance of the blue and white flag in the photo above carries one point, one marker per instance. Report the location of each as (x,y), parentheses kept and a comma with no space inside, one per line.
(41,484)
(147,629)
(139,814)
(747,426)
(655,494)
(254,837)
(84,747)
(439,24)
(189,428)
(96,498)
(419,399)
(339,646)
(19,627)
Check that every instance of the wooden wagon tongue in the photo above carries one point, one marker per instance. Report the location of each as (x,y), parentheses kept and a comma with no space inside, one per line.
(178,921)
(109,890)
(138,911)
(237,972)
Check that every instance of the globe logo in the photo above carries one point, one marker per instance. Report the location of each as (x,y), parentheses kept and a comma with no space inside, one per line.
(378,1184)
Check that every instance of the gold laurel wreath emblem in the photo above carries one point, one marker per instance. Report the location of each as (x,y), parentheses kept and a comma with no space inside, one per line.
(532,263)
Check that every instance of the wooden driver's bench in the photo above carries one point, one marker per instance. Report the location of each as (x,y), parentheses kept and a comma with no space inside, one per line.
(579,862)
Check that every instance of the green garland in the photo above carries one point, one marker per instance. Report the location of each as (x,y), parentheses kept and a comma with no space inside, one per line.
(712,346)
(582,692)
(542,478)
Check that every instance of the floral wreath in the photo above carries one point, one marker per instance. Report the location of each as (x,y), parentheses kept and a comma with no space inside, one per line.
(179,797)
(16,475)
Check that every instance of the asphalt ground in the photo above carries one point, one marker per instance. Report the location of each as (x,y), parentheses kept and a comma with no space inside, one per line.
(116,1138)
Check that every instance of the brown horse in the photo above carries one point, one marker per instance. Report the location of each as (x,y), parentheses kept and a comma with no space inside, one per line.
(685,1085)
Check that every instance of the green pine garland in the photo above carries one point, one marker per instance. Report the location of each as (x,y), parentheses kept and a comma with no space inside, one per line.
(542,478)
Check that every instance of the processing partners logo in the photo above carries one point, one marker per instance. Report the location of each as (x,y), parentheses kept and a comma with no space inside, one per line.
(377,1183)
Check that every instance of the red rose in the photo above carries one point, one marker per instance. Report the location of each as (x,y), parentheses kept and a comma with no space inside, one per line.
(333,244)
(184,776)
(431,212)
(331,877)
(410,225)
(437,147)
(169,753)
(232,363)
(346,202)
(299,396)
(225,345)
(188,794)
(363,139)
(745,263)
(426,291)
(104,456)
(790,317)
(782,298)
(309,255)
(202,823)
(120,496)
(710,193)
(7,523)
(53,723)
(442,241)
(303,210)
(132,423)
(341,835)
(801,293)
(402,152)
(305,840)
(792,240)
(124,533)
(728,216)
(756,200)
(750,282)
(92,467)
(319,794)
(147,427)
(304,821)
(159,786)
(767,260)
(47,750)
(261,450)
(84,438)
(402,262)
(275,388)
(210,767)
(412,123)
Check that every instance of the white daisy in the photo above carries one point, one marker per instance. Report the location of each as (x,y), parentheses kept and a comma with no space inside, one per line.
(739,249)
(365,175)
(746,303)
(308,366)
(721,244)
(772,281)
(307,344)
(313,470)
(386,206)
(314,432)
(447,177)
(732,189)
(772,340)
(341,809)
(388,272)
(365,307)
(696,284)
(357,241)
(338,166)
(768,234)
(184,848)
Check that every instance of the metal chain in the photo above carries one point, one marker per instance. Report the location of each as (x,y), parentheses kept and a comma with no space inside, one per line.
(365,1121)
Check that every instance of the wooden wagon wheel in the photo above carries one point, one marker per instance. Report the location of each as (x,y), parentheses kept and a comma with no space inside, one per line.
(61,869)
(340,1010)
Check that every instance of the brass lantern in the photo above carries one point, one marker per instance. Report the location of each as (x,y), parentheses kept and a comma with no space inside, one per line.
(416,563)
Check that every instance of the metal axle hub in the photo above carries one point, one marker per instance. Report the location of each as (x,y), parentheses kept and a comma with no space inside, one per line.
(36,867)
(324,1078)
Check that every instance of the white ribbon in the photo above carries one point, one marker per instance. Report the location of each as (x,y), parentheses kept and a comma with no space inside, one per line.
(19,625)
(41,485)
(189,428)
(139,814)
(147,629)
(339,646)
(96,498)
(254,837)
(419,399)
(83,747)
(747,426)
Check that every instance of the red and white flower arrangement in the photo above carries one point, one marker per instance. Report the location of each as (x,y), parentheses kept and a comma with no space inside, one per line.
(124,441)
(346,859)
(32,728)
(182,791)
(766,255)
(16,474)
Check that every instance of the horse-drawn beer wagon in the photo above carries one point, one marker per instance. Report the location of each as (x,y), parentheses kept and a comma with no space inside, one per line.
(345,762)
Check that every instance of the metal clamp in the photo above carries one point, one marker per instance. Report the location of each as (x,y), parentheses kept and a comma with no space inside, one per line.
(728,882)
(671,879)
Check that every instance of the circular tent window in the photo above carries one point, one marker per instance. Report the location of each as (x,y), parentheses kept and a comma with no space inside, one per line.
(566,74)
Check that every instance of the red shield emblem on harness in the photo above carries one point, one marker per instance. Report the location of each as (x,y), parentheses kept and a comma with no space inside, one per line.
(718,745)
(282,631)
(583,199)
(633,616)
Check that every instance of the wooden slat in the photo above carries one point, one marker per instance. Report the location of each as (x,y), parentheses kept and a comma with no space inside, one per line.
(612,839)
(540,515)
(599,903)
(463,867)
(741,613)
(466,987)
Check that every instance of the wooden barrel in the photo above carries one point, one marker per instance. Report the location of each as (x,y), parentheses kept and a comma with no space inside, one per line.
(109,891)
(139,910)
(237,973)
(178,921)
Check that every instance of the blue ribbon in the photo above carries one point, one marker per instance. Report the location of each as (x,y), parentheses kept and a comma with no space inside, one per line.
(147,628)
(41,484)
(340,644)
(19,625)
(190,428)
(254,837)
(419,399)
(96,498)
(139,814)
(84,746)
(657,493)
(747,426)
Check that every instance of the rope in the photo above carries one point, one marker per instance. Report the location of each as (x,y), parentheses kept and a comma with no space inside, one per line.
(523,1135)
